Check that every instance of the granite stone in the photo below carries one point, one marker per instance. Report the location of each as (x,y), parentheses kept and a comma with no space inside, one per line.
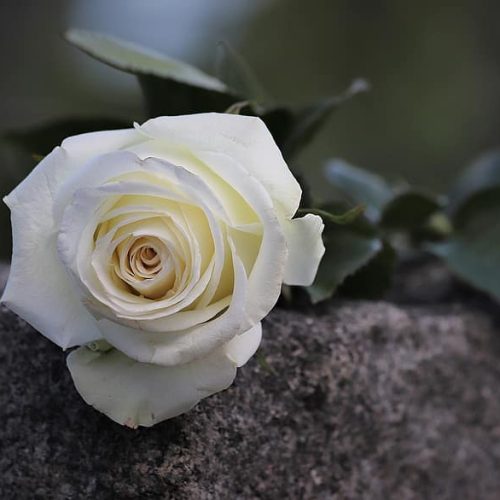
(394,399)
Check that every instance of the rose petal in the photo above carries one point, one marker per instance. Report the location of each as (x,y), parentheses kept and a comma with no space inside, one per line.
(245,138)
(242,347)
(133,393)
(305,249)
(38,288)
(83,147)
(238,211)
(76,246)
(265,278)
(183,346)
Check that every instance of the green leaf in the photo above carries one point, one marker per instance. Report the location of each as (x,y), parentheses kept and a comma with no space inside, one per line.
(40,140)
(346,252)
(483,174)
(473,250)
(169,86)
(360,186)
(139,60)
(294,129)
(236,73)
(404,209)
(409,210)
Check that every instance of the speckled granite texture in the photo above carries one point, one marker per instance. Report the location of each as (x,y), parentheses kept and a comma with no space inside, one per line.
(357,400)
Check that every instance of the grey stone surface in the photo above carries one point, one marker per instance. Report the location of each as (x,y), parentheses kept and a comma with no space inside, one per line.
(355,400)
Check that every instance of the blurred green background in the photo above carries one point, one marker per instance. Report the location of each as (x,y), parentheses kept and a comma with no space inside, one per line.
(434,69)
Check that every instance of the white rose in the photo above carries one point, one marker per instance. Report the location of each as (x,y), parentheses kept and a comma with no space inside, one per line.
(158,249)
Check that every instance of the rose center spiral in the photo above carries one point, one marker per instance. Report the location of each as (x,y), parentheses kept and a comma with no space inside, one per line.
(146,266)
(144,261)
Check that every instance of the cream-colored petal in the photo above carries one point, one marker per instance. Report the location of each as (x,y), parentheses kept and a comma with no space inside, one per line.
(244,138)
(184,319)
(237,210)
(83,147)
(242,347)
(261,290)
(305,249)
(162,178)
(39,289)
(96,171)
(177,347)
(267,273)
(266,276)
(101,286)
(174,235)
(140,394)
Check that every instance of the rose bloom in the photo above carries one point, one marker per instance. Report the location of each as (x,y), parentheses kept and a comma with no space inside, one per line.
(158,250)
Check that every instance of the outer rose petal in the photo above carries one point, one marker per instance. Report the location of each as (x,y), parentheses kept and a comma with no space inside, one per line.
(133,393)
(242,347)
(38,288)
(305,249)
(86,146)
(245,139)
